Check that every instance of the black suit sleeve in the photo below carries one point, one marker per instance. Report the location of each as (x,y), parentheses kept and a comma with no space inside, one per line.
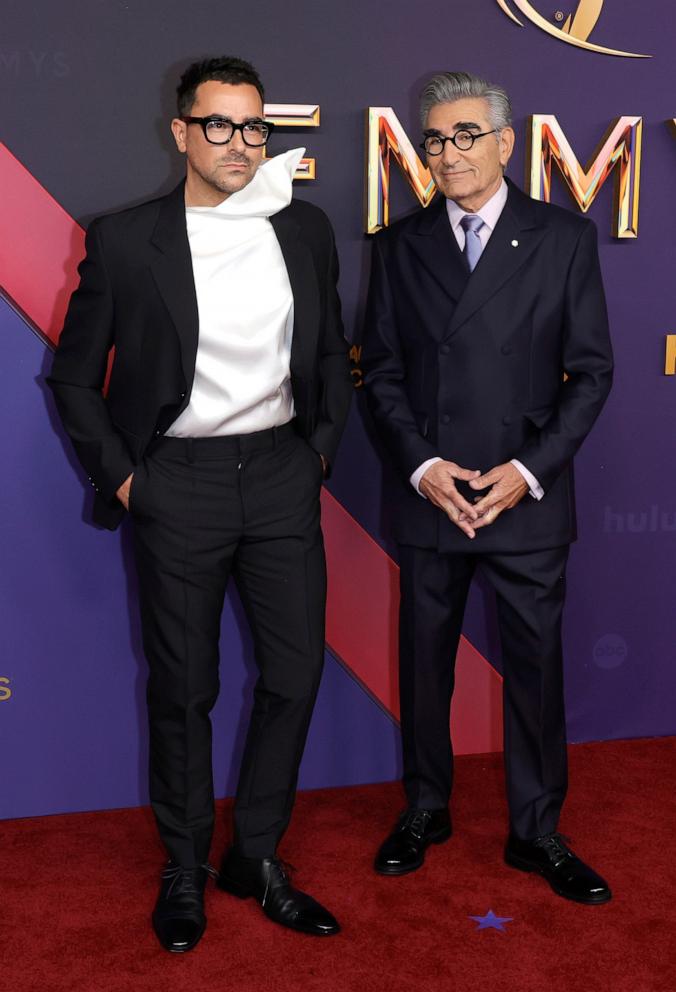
(79,371)
(334,368)
(384,365)
(587,361)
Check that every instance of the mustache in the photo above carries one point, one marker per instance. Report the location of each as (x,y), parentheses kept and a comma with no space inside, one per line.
(237,158)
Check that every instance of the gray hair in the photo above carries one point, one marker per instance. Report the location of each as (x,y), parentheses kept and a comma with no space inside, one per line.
(446,87)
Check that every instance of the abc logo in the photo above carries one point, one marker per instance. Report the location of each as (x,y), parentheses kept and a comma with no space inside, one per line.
(5,691)
(610,651)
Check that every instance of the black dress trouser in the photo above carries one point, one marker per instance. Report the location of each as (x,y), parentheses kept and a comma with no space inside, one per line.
(530,589)
(203,509)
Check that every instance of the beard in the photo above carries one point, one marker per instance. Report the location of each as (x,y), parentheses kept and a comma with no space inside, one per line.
(229,181)
(221,180)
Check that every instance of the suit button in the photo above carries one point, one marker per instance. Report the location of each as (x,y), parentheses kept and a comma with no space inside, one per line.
(506,421)
(506,349)
(445,419)
(181,396)
(444,349)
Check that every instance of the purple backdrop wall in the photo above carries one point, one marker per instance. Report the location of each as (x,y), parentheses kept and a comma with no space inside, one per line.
(85,94)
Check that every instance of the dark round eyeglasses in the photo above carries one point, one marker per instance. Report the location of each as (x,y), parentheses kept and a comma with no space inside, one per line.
(219,130)
(433,143)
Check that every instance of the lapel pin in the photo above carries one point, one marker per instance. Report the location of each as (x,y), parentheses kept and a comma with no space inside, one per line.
(515,243)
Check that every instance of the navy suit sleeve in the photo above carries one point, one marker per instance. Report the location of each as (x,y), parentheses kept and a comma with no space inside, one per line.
(587,360)
(384,365)
(79,370)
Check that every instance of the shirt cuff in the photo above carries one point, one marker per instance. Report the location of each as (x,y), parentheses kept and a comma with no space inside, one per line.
(419,472)
(534,487)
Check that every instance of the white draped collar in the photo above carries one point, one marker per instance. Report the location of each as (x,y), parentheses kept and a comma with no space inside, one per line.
(269,191)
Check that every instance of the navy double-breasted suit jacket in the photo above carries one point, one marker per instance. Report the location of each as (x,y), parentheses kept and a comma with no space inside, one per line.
(512,361)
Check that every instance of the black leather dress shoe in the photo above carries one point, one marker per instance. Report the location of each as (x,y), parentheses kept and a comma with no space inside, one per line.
(553,859)
(267,881)
(178,918)
(404,850)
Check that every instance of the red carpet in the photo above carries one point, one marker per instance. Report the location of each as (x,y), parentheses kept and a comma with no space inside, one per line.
(77,891)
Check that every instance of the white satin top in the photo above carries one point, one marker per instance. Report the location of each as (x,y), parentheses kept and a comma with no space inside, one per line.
(245,305)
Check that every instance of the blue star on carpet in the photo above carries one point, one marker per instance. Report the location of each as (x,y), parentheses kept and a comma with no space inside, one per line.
(491,922)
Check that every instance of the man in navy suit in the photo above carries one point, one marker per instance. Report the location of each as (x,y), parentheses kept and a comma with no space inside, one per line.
(487,361)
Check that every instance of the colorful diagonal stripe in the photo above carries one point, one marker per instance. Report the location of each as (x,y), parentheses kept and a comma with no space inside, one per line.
(40,247)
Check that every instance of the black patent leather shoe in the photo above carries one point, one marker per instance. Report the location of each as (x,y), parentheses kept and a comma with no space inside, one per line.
(267,881)
(178,917)
(552,858)
(404,850)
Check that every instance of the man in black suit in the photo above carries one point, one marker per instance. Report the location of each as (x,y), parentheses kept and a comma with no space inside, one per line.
(228,394)
(487,361)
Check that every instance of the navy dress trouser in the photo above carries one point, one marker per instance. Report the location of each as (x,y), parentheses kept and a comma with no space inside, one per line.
(530,590)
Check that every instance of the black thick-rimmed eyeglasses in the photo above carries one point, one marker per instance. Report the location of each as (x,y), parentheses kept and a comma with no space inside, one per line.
(219,130)
(433,142)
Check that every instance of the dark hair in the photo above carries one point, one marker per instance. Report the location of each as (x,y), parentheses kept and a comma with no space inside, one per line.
(225,69)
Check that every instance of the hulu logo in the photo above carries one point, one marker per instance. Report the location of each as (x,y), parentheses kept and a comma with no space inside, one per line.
(652,520)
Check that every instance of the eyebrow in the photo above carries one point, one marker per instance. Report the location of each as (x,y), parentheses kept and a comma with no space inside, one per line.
(460,126)
(230,120)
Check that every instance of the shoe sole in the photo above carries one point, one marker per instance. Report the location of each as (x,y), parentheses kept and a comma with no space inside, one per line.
(514,861)
(439,838)
(235,889)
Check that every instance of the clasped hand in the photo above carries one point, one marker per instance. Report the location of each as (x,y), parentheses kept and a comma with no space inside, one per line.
(507,488)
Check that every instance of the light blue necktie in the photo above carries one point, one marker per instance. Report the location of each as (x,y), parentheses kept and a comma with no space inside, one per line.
(471,225)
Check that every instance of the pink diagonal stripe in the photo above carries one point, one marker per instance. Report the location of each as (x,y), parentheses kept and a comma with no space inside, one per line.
(361,630)
(40,247)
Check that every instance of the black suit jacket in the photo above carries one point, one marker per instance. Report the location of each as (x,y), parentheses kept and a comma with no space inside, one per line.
(471,368)
(137,294)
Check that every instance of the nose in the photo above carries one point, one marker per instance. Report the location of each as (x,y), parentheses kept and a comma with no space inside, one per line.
(237,141)
(450,154)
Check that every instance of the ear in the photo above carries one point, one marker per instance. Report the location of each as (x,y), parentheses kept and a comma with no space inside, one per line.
(179,130)
(506,145)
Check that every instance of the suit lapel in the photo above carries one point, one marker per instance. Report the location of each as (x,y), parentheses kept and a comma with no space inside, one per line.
(303,280)
(172,271)
(516,236)
(435,246)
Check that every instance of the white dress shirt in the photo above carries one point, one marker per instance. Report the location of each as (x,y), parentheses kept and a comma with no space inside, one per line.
(490,214)
(242,378)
